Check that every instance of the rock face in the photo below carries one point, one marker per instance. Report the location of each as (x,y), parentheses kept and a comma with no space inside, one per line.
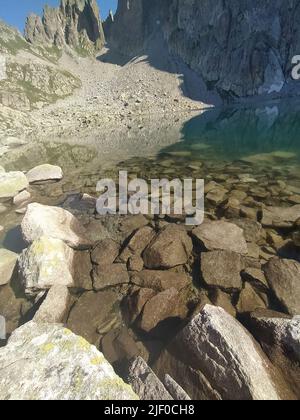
(75,23)
(55,223)
(239,48)
(284,278)
(218,359)
(48,362)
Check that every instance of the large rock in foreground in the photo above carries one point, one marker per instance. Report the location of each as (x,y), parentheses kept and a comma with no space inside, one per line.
(11,183)
(214,357)
(48,362)
(53,222)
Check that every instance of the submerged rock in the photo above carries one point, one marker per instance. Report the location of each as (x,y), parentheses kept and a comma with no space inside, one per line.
(11,183)
(53,222)
(172,247)
(221,235)
(48,362)
(44,173)
(214,357)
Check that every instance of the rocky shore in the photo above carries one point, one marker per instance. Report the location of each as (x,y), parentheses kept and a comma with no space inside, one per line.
(210,312)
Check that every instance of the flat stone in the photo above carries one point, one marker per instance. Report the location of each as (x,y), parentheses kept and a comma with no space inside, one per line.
(54,307)
(47,262)
(44,173)
(172,247)
(48,362)
(8,261)
(22,198)
(284,279)
(53,222)
(221,236)
(11,183)
(82,270)
(160,280)
(145,383)
(280,217)
(110,276)
(222,269)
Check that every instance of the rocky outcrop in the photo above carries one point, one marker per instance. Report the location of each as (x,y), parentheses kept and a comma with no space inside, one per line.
(75,23)
(240,49)
(48,362)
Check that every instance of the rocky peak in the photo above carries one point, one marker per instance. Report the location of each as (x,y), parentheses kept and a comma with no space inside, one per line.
(75,23)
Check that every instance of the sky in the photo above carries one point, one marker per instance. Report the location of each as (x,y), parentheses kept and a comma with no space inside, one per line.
(14,12)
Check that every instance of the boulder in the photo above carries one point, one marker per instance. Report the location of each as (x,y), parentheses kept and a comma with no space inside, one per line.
(110,276)
(44,173)
(284,279)
(279,336)
(8,262)
(222,269)
(222,236)
(92,312)
(137,244)
(249,300)
(136,301)
(252,229)
(214,357)
(160,280)
(54,307)
(105,252)
(119,346)
(145,383)
(280,217)
(11,183)
(175,390)
(82,270)
(22,198)
(223,300)
(53,222)
(135,263)
(47,262)
(48,362)
(172,247)
(256,277)
(158,309)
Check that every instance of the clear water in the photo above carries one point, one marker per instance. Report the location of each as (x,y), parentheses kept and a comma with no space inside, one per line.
(220,145)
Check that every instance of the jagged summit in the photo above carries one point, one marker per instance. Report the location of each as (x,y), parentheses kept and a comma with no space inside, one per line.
(75,23)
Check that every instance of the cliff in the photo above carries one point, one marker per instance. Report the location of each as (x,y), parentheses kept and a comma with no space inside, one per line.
(75,23)
(239,48)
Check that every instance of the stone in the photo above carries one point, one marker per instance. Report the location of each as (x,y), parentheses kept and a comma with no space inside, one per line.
(249,300)
(215,358)
(11,303)
(256,277)
(252,229)
(158,309)
(105,252)
(145,383)
(133,223)
(22,198)
(110,276)
(137,244)
(221,235)
(82,270)
(11,183)
(175,390)
(44,173)
(54,307)
(172,247)
(223,300)
(160,280)
(217,195)
(119,346)
(53,222)
(279,337)
(48,362)
(135,263)
(136,301)
(222,269)
(92,311)
(283,278)
(8,262)
(296,238)
(280,217)
(47,262)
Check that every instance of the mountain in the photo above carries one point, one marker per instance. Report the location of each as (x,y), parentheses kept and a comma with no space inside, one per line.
(239,48)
